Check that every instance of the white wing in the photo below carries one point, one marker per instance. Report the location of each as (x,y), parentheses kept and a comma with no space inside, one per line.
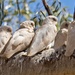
(43,36)
(60,38)
(4,38)
(20,41)
(19,37)
(70,40)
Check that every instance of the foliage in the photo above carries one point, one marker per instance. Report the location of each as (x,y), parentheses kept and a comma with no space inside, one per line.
(13,12)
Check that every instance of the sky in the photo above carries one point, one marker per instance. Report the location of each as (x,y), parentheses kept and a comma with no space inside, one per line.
(69,3)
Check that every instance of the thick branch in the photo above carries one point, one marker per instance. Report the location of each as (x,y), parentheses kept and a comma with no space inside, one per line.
(44,63)
(47,7)
(74,14)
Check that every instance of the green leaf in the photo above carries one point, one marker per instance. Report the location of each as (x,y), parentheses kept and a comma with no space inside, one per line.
(15,12)
(31,1)
(70,15)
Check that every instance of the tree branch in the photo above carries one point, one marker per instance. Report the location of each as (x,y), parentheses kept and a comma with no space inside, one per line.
(47,7)
(74,14)
(18,8)
(1,11)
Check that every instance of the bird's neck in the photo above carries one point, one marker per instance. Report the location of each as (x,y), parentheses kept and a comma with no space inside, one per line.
(47,22)
(30,30)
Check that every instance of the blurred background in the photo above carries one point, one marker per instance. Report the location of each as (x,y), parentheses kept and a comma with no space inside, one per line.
(13,12)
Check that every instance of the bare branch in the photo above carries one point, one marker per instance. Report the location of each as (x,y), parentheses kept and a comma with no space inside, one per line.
(18,8)
(1,11)
(74,14)
(43,14)
(47,7)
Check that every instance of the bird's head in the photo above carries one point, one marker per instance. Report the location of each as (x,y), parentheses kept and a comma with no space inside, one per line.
(50,19)
(6,28)
(28,24)
(65,24)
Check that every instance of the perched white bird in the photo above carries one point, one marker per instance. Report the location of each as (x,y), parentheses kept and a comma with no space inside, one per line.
(70,39)
(61,37)
(5,35)
(20,40)
(44,35)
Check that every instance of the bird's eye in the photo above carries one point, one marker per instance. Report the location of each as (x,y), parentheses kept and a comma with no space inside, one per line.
(9,30)
(32,24)
(54,19)
(66,25)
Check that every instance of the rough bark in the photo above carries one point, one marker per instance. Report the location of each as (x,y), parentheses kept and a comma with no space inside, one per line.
(45,63)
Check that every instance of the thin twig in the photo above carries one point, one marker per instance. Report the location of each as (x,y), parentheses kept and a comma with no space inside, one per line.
(43,14)
(1,11)
(18,9)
